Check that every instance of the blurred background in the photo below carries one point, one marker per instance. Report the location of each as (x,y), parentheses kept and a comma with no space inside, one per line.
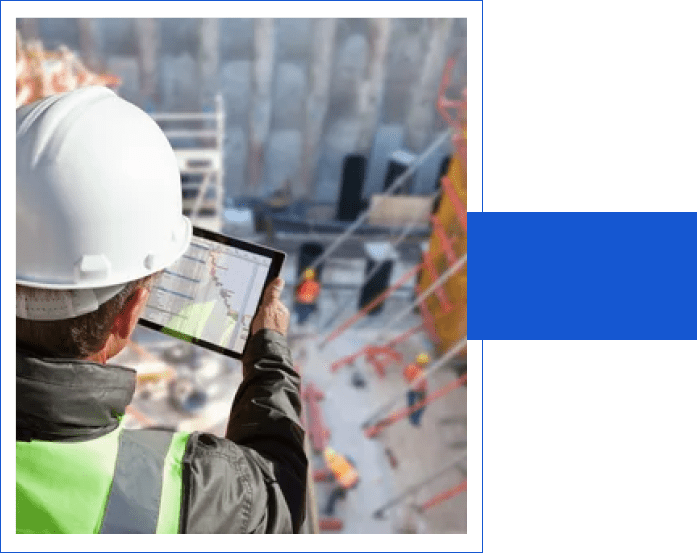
(341,142)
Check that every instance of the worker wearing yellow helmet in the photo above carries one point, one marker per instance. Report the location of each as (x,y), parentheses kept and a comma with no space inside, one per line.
(414,373)
(99,215)
(344,473)
(306,295)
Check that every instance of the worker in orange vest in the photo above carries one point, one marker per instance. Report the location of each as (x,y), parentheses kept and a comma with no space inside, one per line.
(345,475)
(417,393)
(306,295)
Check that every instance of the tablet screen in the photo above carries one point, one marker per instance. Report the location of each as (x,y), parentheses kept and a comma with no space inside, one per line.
(210,294)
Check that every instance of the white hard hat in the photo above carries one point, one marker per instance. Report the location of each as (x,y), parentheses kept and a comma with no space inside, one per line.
(98,193)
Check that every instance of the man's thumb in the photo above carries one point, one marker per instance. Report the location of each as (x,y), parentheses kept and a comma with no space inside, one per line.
(274,289)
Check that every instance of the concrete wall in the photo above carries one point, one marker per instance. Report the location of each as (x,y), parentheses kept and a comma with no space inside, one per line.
(300,94)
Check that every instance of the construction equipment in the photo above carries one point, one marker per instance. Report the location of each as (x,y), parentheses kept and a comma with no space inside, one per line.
(41,73)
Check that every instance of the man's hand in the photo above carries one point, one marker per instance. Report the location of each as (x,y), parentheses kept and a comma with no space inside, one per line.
(272,313)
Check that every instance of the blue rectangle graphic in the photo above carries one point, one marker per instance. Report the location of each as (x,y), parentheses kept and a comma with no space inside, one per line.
(584,276)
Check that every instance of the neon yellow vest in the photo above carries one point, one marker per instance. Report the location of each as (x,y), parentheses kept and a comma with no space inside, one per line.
(128,481)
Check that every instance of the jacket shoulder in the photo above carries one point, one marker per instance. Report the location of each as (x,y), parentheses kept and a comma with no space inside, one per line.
(229,488)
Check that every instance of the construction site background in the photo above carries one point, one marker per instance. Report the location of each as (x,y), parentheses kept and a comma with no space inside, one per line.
(343,143)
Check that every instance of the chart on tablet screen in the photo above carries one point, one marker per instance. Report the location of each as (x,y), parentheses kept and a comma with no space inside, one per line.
(210,293)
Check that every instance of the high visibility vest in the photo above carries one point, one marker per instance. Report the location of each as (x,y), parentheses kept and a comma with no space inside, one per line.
(307,291)
(411,373)
(126,482)
(344,473)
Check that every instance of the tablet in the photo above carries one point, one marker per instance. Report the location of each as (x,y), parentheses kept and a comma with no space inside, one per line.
(210,295)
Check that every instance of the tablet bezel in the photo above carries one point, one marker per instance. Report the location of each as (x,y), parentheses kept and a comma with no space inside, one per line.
(277,257)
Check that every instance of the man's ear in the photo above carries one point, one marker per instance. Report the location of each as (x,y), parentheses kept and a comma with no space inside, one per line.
(126,321)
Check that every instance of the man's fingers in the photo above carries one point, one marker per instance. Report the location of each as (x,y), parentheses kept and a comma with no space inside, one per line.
(273,291)
(272,314)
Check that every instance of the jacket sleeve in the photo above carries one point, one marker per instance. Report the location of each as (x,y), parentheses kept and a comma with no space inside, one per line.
(253,480)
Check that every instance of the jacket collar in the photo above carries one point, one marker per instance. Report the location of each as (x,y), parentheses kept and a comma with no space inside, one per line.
(69,399)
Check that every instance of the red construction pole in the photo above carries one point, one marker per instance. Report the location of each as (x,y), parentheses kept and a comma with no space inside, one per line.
(379,426)
(440,292)
(460,210)
(377,301)
(374,353)
(336,365)
(408,492)
(447,245)
(443,496)
(444,103)
(460,143)
(404,336)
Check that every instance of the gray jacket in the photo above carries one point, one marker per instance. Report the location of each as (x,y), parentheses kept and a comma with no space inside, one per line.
(251,481)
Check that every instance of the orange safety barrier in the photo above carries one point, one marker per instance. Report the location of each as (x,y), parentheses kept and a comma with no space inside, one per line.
(378,427)
(443,496)
(377,301)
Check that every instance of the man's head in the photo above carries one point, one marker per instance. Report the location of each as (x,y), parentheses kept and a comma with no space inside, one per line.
(97,335)
(98,212)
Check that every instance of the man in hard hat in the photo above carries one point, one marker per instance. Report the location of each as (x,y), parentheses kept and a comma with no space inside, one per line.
(306,295)
(417,393)
(98,214)
(345,475)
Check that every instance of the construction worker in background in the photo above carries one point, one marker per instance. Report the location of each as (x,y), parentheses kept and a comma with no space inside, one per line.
(98,214)
(306,295)
(416,394)
(345,475)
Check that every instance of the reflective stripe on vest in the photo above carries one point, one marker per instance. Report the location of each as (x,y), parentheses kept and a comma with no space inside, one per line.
(411,373)
(344,473)
(307,292)
(129,481)
(349,478)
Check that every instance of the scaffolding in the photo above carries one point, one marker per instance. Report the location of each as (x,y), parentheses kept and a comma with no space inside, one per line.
(198,141)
